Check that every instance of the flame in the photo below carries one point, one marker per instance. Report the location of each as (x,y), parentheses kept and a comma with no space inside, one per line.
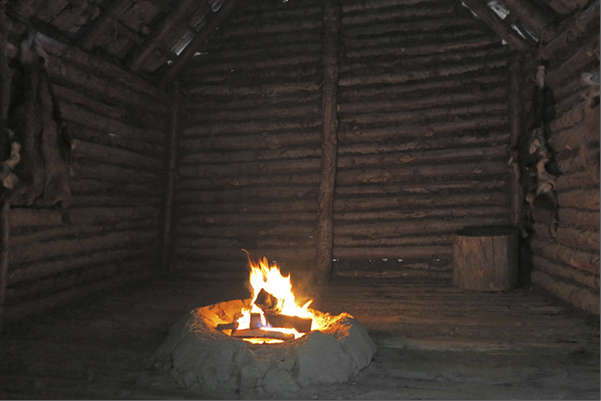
(268,277)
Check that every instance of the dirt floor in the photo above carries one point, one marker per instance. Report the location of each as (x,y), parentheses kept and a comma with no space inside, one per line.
(434,342)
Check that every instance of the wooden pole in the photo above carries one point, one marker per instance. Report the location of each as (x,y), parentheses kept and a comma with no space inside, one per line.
(213,22)
(325,199)
(5,207)
(497,25)
(532,17)
(515,121)
(171,177)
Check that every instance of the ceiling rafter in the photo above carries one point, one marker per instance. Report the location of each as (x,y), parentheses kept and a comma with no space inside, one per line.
(156,38)
(529,15)
(498,25)
(214,20)
(103,23)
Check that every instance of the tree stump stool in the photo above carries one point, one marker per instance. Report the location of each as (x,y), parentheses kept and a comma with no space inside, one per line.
(485,258)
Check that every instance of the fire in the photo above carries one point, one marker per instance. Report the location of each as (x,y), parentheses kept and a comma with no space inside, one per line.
(265,278)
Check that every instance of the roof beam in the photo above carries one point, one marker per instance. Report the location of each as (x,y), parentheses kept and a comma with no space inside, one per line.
(497,25)
(529,15)
(213,21)
(103,23)
(156,38)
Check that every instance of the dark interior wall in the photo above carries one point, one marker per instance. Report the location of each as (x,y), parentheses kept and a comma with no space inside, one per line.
(565,222)
(423,134)
(110,233)
(249,156)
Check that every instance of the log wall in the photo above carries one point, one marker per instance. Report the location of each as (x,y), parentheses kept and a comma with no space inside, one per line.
(249,157)
(565,238)
(111,233)
(422,127)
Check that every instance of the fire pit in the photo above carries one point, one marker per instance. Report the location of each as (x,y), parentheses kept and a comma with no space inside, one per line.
(233,346)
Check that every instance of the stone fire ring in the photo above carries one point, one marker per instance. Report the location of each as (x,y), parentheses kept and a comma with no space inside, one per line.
(201,357)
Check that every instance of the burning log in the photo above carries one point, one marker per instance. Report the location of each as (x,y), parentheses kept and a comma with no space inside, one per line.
(266,301)
(257,333)
(302,325)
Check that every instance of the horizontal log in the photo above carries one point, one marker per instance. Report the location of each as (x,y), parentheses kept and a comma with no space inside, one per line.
(429,100)
(426,188)
(400,241)
(271,28)
(438,212)
(257,333)
(248,194)
(409,252)
(298,230)
(268,207)
(243,242)
(581,260)
(249,156)
(25,217)
(585,240)
(575,180)
(474,44)
(425,156)
(468,171)
(110,139)
(580,297)
(93,151)
(377,4)
(262,41)
(197,115)
(570,138)
(405,228)
(68,95)
(420,202)
(259,90)
(251,127)
(586,54)
(434,130)
(275,14)
(102,123)
(47,285)
(423,114)
(34,271)
(211,184)
(223,102)
(253,54)
(250,168)
(417,25)
(239,66)
(421,74)
(493,138)
(580,218)
(72,230)
(52,249)
(88,186)
(570,118)
(52,301)
(109,172)
(69,74)
(278,255)
(581,198)
(257,140)
(399,14)
(107,68)
(117,200)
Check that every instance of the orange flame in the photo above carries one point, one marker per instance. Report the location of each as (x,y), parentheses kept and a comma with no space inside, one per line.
(268,277)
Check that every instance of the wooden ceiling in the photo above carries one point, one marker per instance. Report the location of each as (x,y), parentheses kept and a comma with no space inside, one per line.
(158,37)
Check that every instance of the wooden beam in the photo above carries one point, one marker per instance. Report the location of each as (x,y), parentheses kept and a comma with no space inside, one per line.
(154,41)
(329,146)
(103,23)
(176,106)
(495,23)
(213,22)
(516,126)
(530,16)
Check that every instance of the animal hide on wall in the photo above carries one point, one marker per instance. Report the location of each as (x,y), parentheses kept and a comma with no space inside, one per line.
(34,117)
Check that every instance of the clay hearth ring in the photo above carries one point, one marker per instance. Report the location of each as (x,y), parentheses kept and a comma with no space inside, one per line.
(201,357)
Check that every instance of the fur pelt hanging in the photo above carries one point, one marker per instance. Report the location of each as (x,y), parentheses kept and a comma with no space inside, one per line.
(34,117)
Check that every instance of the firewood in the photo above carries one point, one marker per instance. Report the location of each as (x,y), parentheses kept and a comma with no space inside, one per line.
(227,326)
(256,333)
(266,301)
(302,325)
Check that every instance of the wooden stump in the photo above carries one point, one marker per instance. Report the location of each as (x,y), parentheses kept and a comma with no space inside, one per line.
(485,258)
